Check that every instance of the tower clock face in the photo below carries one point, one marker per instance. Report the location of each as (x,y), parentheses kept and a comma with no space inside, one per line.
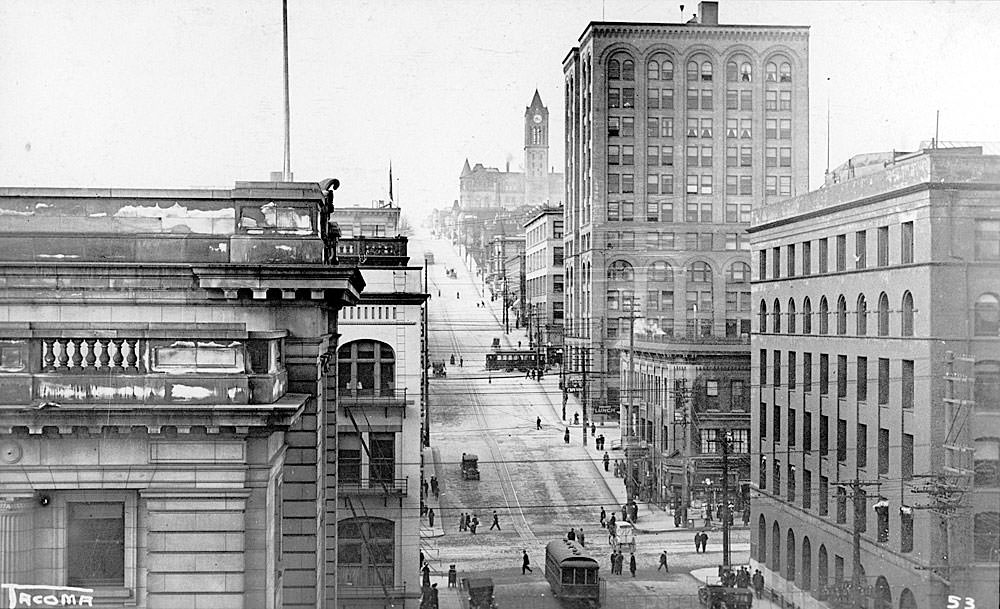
(537,118)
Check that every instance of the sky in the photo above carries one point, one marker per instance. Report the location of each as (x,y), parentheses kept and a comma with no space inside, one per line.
(185,93)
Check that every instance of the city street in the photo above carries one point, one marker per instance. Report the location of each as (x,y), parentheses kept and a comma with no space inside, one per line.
(539,486)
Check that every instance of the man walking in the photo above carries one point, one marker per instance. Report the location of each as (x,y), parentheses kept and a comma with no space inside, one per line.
(496,521)
(663,562)
(631,564)
(571,535)
(538,423)
(607,461)
(758,582)
(525,563)
(697,543)
(604,518)
(430,517)
(461,522)
(566,436)
(579,537)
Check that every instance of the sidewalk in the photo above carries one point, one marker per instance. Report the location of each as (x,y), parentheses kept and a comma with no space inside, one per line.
(432,502)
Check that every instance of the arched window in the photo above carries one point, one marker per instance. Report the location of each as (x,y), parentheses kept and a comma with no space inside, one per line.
(692,71)
(661,272)
(620,271)
(791,550)
(628,70)
(746,72)
(883,594)
(906,600)
(761,540)
(653,70)
(732,71)
(987,462)
(366,367)
(614,69)
(785,72)
(806,580)
(906,315)
(822,571)
(366,548)
(776,548)
(771,72)
(666,70)
(762,323)
(883,315)
(807,314)
(862,316)
(986,536)
(824,316)
(739,272)
(791,316)
(987,315)
(699,272)
(776,316)
(706,71)
(841,315)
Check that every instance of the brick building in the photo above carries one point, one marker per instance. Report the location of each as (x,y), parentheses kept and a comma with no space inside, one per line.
(543,273)
(876,359)
(674,132)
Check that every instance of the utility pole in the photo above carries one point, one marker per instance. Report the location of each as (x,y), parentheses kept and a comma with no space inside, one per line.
(629,431)
(858,594)
(585,396)
(425,384)
(724,441)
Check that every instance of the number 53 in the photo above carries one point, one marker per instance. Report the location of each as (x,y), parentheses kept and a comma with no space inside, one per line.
(955,602)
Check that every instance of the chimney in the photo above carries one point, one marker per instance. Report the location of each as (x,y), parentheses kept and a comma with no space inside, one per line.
(708,13)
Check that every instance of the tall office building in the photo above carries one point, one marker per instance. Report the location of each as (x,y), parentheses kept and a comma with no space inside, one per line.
(877,386)
(673,133)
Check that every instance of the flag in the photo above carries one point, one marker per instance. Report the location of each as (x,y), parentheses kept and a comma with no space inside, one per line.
(390,182)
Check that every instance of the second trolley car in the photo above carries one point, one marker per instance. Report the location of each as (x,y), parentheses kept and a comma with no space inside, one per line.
(513,359)
(573,576)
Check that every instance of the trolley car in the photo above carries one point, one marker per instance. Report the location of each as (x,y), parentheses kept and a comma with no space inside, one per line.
(513,359)
(573,576)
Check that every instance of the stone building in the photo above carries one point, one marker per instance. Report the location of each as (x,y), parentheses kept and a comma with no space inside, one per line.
(168,413)
(674,132)
(876,400)
(543,273)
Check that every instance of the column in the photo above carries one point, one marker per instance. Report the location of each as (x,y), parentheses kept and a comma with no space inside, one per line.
(15,540)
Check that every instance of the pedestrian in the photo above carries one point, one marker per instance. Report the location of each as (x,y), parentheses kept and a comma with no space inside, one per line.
(663,562)
(579,537)
(439,293)
(566,436)
(427,576)
(430,517)
(538,423)
(758,582)
(746,515)
(604,518)
(631,564)
(452,576)
(474,525)
(607,460)
(457,296)
(614,560)
(611,528)
(571,535)
(496,521)
(461,522)
(468,520)
(593,429)
(704,542)
(697,543)
(743,578)
(525,562)
(624,513)
(434,485)
(461,362)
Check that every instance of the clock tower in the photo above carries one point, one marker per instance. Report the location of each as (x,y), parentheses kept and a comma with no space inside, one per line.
(536,151)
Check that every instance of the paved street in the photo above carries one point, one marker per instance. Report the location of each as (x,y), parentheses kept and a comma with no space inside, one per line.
(539,486)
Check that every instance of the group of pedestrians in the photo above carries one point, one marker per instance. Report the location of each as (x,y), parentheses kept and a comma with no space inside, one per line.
(468,522)
(576,536)
(743,579)
(618,561)
(700,542)
(535,374)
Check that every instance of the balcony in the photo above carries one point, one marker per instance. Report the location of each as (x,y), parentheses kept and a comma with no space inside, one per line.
(373,486)
(372,251)
(373,398)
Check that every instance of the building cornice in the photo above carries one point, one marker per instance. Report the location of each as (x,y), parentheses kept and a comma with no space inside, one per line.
(671,31)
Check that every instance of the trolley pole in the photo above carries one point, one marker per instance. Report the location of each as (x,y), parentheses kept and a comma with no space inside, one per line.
(725,502)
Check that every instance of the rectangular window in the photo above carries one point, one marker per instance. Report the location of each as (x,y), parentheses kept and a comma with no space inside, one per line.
(628,97)
(692,127)
(706,99)
(652,98)
(905,529)
(732,127)
(807,431)
(731,245)
(614,155)
(791,370)
(771,128)
(746,129)
(860,249)
(383,457)
(95,543)
(823,255)
(862,382)
(906,390)
(841,510)
(652,156)
(746,100)
(824,496)
(652,207)
(771,185)
(667,213)
(706,186)
(732,99)
(841,252)
(692,156)
(777,368)
(841,376)
(883,381)
(791,483)
(862,445)
(883,450)
(785,131)
(732,187)
(628,126)
(704,239)
(746,185)
(628,155)
(785,100)
(785,157)
(613,183)
(667,128)
(628,182)
(883,246)
(762,264)
(807,489)
(824,435)
(706,156)
(806,257)
(614,126)
(860,513)
(614,98)
(785,186)
(762,422)
(906,243)
(667,188)
(652,187)
(770,157)
(807,373)
(667,99)
(667,156)
(770,100)
(706,127)
(746,156)
(824,374)
(732,156)
(792,424)
(692,187)
(776,422)
(628,211)
(906,457)
(776,262)
(790,259)
(692,99)
(614,211)
(841,440)
(763,366)
(652,127)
